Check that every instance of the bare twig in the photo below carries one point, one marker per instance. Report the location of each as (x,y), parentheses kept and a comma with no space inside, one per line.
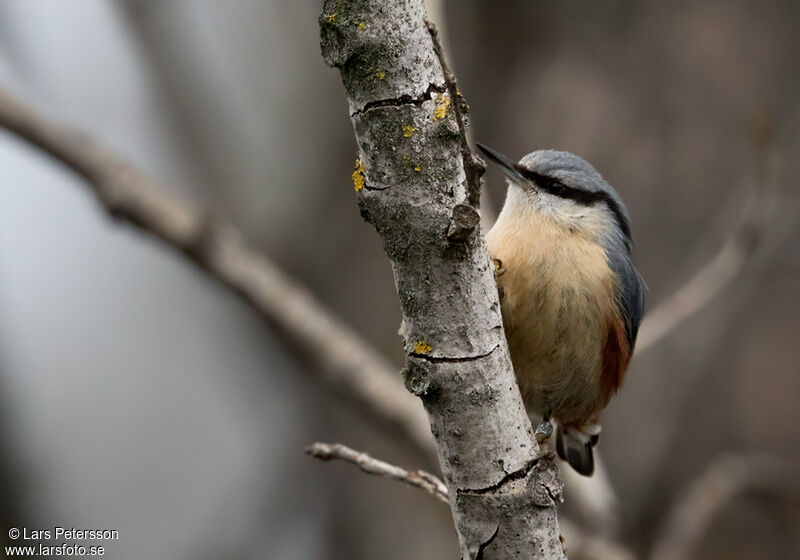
(343,359)
(727,478)
(421,479)
(474,167)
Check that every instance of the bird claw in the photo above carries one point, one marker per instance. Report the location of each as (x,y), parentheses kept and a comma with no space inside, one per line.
(543,432)
(499,269)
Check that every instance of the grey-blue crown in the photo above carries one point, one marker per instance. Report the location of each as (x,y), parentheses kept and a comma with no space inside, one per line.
(577,173)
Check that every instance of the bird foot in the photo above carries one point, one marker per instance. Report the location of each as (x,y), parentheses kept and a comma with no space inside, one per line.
(499,269)
(543,432)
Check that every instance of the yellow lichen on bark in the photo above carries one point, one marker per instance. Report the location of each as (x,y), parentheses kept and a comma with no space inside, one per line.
(358,176)
(442,105)
(408,130)
(422,347)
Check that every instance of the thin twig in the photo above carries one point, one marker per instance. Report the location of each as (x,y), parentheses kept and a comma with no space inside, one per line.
(727,478)
(474,167)
(420,479)
(342,358)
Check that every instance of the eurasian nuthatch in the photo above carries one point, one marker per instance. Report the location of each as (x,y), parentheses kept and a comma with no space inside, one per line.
(571,298)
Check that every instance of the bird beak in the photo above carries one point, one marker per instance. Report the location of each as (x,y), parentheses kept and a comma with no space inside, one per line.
(506,165)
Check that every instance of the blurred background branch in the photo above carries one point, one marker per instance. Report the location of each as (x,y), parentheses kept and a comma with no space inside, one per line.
(727,478)
(343,359)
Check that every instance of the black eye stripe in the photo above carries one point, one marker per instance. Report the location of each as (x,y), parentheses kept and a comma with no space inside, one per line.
(557,188)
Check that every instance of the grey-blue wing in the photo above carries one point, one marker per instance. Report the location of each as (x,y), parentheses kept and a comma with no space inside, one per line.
(629,291)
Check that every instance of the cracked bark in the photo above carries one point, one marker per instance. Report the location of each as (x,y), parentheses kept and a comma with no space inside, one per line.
(414,177)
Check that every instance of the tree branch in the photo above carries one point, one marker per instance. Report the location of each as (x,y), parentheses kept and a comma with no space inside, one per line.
(409,180)
(420,479)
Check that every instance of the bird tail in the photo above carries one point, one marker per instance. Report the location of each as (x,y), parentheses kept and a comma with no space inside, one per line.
(575,448)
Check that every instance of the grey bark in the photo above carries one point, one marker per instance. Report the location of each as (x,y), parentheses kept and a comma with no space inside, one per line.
(412,186)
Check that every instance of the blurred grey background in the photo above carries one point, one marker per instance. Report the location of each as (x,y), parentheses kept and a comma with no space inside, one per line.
(139,395)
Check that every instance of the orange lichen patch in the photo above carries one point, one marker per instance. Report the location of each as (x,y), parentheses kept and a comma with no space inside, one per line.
(331,18)
(381,74)
(442,104)
(408,130)
(422,347)
(358,176)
